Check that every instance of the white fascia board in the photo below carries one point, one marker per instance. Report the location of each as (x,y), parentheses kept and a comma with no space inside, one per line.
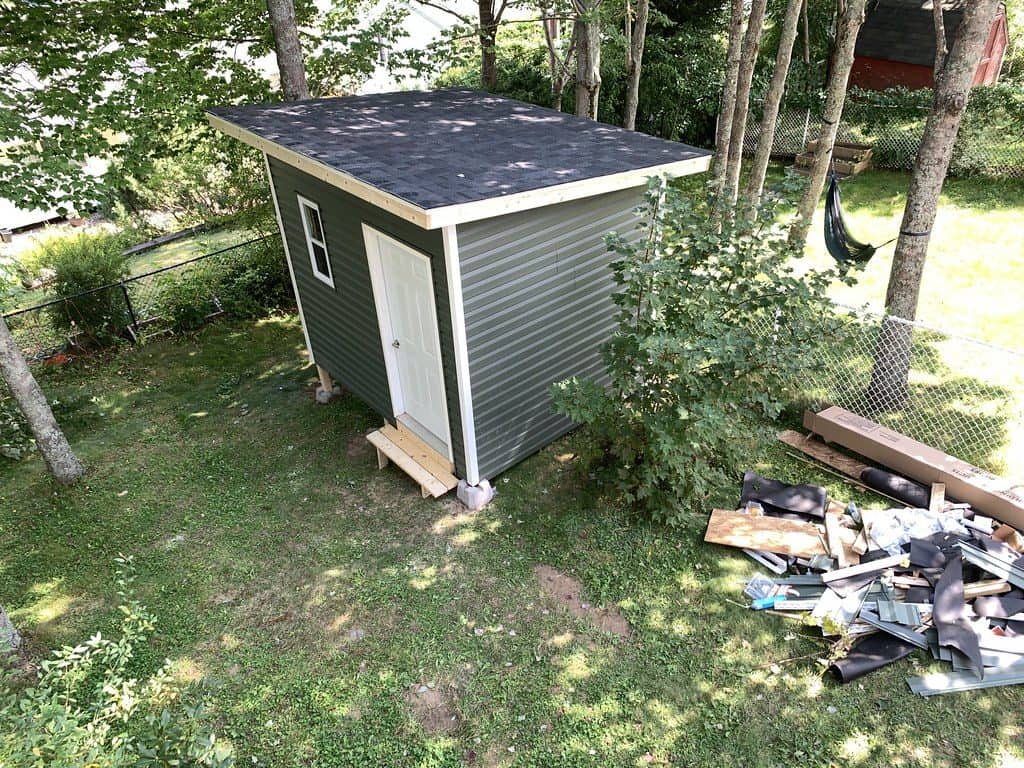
(462,213)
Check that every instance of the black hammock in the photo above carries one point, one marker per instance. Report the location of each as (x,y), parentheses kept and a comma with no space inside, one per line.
(840,243)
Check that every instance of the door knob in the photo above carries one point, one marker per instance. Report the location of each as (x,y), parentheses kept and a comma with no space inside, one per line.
(395,344)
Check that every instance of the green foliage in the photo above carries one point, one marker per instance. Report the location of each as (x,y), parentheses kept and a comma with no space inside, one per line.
(522,60)
(87,707)
(715,330)
(220,179)
(247,282)
(81,263)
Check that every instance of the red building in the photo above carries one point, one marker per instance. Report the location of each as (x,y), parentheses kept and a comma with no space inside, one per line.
(896,45)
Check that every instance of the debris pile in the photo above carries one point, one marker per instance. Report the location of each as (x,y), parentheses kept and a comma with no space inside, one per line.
(925,572)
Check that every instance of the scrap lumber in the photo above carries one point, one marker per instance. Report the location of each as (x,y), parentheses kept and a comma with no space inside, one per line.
(985,588)
(994,496)
(937,500)
(840,541)
(865,568)
(764,534)
(823,453)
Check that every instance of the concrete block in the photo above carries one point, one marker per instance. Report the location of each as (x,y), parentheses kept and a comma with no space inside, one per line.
(475,497)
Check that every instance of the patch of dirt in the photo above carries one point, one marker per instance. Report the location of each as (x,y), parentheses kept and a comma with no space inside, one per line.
(431,709)
(567,593)
(358,447)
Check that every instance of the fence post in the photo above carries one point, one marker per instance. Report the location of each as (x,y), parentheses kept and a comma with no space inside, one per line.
(134,327)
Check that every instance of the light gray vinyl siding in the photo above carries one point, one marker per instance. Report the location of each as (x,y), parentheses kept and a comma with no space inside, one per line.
(537,291)
(342,321)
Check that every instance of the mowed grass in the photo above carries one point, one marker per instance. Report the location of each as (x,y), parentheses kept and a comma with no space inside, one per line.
(974,276)
(315,590)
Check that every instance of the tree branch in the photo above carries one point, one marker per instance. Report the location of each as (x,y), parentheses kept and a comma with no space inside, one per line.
(456,14)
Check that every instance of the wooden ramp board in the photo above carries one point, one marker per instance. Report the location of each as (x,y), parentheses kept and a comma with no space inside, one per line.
(764,534)
(431,470)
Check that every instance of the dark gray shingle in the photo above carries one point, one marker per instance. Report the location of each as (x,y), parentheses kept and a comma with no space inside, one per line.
(903,30)
(445,147)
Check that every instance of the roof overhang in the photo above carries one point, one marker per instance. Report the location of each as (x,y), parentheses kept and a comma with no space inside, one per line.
(461,213)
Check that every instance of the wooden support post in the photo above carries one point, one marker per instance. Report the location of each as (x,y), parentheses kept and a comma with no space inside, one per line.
(325,378)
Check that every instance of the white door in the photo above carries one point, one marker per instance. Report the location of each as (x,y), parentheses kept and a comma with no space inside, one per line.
(404,293)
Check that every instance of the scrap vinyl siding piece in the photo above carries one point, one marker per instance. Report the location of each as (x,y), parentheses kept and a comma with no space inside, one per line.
(896,630)
(764,534)
(952,682)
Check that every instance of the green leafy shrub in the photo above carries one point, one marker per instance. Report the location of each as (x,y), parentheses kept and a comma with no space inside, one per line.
(82,263)
(254,280)
(245,283)
(715,331)
(87,706)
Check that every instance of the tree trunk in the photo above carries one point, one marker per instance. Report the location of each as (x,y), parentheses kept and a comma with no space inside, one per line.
(588,57)
(10,640)
(634,61)
(952,89)
(727,106)
(288,49)
(558,62)
(488,34)
(744,81)
(940,35)
(60,460)
(847,27)
(773,100)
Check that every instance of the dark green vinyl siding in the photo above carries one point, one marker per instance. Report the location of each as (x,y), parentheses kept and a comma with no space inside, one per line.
(342,321)
(537,291)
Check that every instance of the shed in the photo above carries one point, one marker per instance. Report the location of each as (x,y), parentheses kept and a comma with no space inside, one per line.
(896,45)
(447,254)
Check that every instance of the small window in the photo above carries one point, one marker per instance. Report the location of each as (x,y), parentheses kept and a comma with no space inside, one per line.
(313,226)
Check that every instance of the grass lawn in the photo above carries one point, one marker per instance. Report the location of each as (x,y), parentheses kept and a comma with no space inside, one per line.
(974,276)
(316,591)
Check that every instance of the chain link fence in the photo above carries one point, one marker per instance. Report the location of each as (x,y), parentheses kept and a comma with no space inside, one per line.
(962,396)
(131,308)
(981,149)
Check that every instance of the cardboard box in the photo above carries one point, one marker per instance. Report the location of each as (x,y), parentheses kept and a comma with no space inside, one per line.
(991,495)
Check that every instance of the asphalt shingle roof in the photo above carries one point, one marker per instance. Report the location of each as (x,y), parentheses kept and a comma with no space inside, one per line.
(440,148)
(904,31)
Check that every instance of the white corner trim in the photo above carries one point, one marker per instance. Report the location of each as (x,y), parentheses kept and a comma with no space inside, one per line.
(288,258)
(449,215)
(454,273)
(305,202)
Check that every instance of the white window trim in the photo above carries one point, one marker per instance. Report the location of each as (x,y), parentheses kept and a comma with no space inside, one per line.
(305,202)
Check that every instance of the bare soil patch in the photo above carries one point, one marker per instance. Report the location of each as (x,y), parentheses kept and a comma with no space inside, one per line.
(567,592)
(431,709)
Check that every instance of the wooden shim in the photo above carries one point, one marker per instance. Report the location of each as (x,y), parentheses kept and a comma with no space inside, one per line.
(823,453)
(764,534)
(984,588)
(905,582)
(937,500)
(857,570)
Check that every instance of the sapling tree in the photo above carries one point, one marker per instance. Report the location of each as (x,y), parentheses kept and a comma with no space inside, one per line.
(716,329)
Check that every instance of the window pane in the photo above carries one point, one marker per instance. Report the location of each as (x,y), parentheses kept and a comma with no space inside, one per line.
(320,257)
(316,230)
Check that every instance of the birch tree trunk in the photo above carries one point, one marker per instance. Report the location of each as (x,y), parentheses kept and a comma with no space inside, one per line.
(847,26)
(10,640)
(773,100)
(288,50)
(888,387)
(939,22)
(727,105)
(634,60)
(59,458)
(744,81)
(588,57)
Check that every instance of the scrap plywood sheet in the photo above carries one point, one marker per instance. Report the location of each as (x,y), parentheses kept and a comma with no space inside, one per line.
(987,493)
(764,534)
